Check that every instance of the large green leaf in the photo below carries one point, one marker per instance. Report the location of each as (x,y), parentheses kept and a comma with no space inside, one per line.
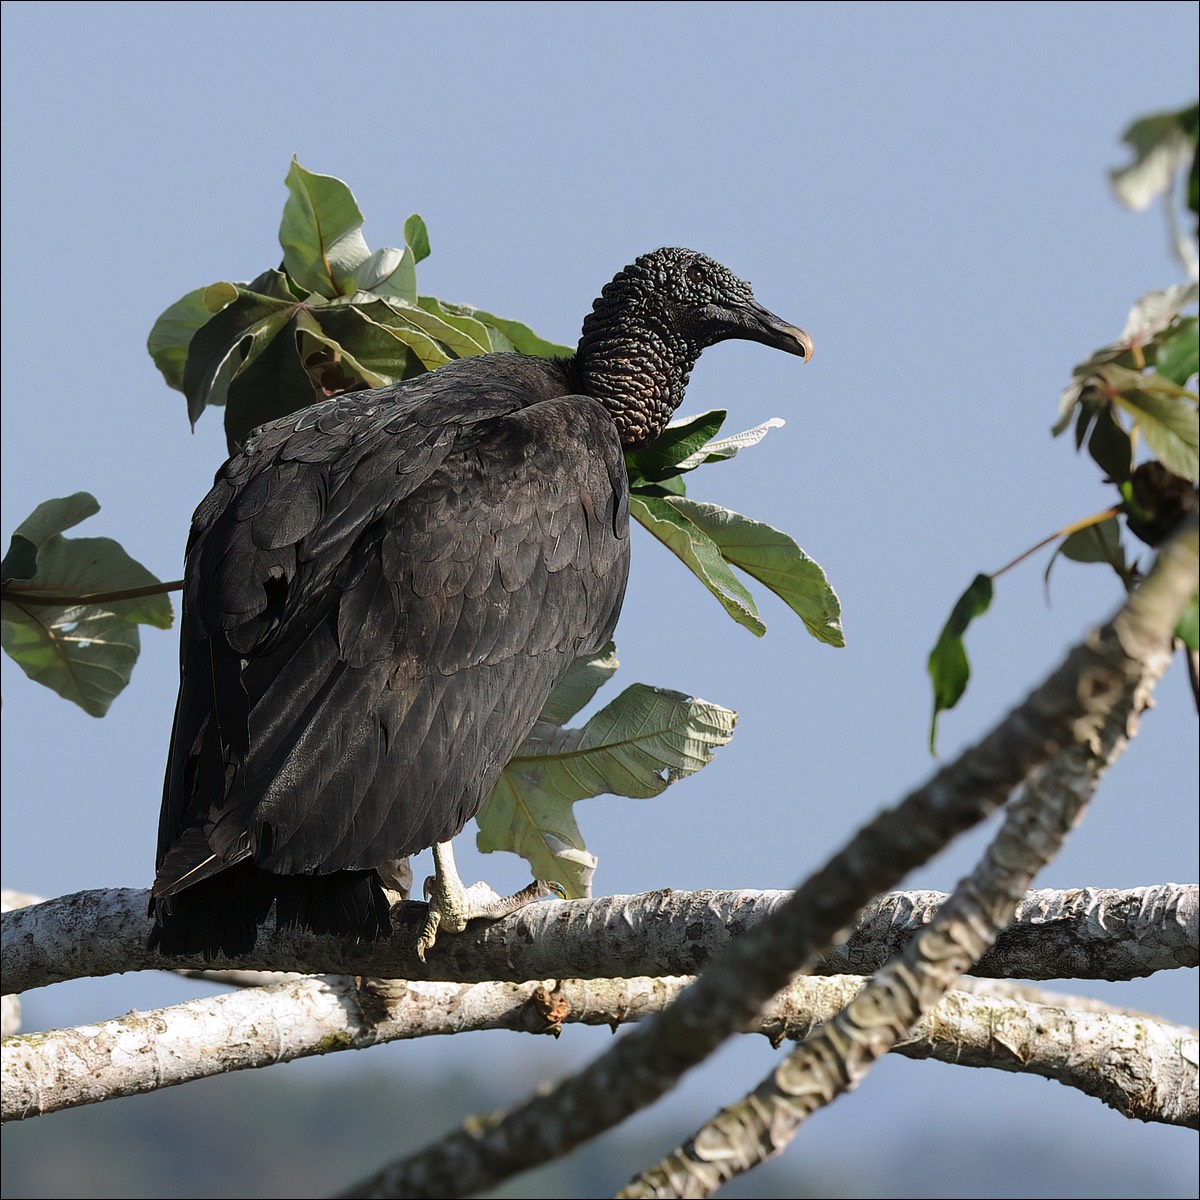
(321,233)
(1110,446)
(1178,357)
(331,366)
(774,559)
(271,382)
(1099,543)
(385,317)
(1166,415)
(637,745)
(83,651)
(451,334)
(699,553)
(370,344)
(477,331)
(584,678)
(948,666)
(520,337)
(176,326)
(227,344)
(388,272)
(50,517)
(680,441)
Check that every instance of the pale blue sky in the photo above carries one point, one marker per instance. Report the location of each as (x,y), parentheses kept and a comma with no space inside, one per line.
(921,186)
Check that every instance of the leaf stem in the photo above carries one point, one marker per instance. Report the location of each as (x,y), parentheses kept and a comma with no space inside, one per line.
(14,592)
(1065,531)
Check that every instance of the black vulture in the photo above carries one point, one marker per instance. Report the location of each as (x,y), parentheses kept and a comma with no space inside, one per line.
(381,591)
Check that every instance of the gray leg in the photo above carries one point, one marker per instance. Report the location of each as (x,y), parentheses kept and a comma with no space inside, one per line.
(451,905)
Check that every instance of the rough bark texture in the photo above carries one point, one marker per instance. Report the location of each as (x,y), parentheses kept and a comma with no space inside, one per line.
(836,1059)
(1084,933)
(1099,676)
(1072,1039)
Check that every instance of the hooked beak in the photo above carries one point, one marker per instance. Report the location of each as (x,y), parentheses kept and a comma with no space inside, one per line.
(758,324)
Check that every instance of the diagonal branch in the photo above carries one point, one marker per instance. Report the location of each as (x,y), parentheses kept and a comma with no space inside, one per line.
(1098,676)
(836,1058)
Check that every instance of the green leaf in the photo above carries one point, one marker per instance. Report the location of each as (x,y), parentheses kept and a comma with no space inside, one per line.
(726,448)
(1166,416)
(680,441)
(390,273)
(84,652)
(321,233)
(520,337)
(1161,145)
(1110,447)
(270,382)
(478,332)
(384,316)
(1178,357)
(1188,629)
(636,746)
(50,517)
(276,285)
(176,326)
(699,553)
(226,344)
(330,365)
(449,334)
(1099,543)
(584,678)
(375,348)
(416,237)
(949,667)
(774,559)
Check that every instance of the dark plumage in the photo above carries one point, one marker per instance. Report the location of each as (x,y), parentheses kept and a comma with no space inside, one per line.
(381,592)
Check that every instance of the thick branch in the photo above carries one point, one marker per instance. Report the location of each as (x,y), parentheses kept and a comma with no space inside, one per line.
(1068,1038)
(1098,676)
(1080,934)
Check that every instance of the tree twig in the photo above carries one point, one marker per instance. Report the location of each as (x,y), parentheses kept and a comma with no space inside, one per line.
(16,593)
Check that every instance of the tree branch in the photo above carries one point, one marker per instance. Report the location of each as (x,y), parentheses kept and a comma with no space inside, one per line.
(1068,1038)
(836,1058)
(1098,676)
(1082,933)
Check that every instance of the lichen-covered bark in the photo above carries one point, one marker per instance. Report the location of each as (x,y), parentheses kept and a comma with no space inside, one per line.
(1090,933)
(1100,676)
(1135,649)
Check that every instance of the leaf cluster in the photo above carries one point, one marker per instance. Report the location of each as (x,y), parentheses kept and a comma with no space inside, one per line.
(334,317)
(1136,391)
(83,650)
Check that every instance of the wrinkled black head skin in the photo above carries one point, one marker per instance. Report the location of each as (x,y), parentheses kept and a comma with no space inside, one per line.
(647,329)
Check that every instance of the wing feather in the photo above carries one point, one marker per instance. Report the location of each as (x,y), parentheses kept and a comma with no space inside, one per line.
(381,595)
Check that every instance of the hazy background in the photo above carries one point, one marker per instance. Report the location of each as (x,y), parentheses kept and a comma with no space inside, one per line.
(923,187)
